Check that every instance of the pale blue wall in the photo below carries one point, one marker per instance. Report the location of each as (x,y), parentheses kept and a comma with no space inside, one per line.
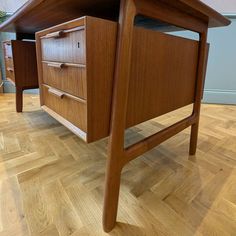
(220,84)
(221,74)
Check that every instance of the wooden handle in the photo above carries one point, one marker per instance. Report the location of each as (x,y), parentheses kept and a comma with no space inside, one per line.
(56,65)
(56,92)
(57,34)
(10,69)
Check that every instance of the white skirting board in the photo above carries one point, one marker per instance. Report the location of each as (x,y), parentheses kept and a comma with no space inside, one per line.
(218,96)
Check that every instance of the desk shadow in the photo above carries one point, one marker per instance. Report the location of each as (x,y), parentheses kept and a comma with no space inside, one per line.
(196,189)
(127,229)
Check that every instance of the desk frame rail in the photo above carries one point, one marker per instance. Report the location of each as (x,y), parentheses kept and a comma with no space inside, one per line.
(118,156)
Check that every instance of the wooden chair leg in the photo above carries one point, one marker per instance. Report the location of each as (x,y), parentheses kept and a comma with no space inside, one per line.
(19,99)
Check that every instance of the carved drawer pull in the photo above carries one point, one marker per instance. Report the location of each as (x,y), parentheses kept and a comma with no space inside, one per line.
(10,69)
(56,65)
(57,34)
(56,92)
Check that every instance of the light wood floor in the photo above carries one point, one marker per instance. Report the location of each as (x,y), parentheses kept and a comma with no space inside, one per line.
(51,183)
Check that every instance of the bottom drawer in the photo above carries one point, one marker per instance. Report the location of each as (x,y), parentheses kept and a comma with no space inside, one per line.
(70,108)
(10,75)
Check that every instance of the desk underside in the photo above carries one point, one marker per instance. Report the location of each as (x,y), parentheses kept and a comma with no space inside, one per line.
(37,15)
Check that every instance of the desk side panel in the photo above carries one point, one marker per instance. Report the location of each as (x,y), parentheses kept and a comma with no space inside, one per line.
(25,64)
(163,75)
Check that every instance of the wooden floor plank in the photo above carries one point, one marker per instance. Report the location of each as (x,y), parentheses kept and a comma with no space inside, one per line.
(52,183)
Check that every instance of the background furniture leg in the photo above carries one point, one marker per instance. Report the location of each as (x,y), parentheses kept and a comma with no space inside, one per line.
(19,99)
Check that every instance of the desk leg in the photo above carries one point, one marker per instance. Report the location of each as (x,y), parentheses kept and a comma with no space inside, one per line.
(118,156)
(202,60)
(19,99)
(119,108)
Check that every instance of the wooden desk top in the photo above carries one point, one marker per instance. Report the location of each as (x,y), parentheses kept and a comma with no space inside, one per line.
(36,15)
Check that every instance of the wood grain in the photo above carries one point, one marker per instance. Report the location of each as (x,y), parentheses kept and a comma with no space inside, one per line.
(91,78)
(159,74)
(164,192)
(72,110)
(21,67)
(25,65)
(69,78)
(36,15)
(70,48)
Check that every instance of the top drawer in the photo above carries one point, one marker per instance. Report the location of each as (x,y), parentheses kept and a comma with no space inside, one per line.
(65,46)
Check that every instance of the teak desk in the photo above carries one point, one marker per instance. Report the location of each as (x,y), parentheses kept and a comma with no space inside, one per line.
(37,15)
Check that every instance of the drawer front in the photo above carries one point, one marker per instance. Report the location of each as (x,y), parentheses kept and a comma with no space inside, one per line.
(68,78)
(10,73)
(69,108)
(9,62)
(67,46)
(7,50)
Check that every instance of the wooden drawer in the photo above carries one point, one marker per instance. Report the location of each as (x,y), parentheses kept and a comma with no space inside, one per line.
(67,106)
(64,46)
(9,62)
(10,75)
(69,78)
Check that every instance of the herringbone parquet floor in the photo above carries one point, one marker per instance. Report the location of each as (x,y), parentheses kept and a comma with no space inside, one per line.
(51,183)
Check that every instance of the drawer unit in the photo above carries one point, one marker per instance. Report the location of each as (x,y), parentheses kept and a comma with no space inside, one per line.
(76,67)
(21,67)
(92,79)
(70,78)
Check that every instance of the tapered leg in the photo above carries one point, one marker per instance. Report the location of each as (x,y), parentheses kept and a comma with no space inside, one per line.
(193,139)
(19,99)
(111,199)
(203,52)
(119,110)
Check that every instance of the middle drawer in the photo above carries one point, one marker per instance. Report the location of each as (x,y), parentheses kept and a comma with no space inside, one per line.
(66,77)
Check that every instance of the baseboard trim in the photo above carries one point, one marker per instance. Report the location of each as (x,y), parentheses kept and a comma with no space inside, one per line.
(9,88)
(218,96)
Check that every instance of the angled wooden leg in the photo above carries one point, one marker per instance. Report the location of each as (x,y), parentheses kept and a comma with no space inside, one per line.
(19,99)
(193,139)
(203,51)
(111,195)
(118,156)
(119,108)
